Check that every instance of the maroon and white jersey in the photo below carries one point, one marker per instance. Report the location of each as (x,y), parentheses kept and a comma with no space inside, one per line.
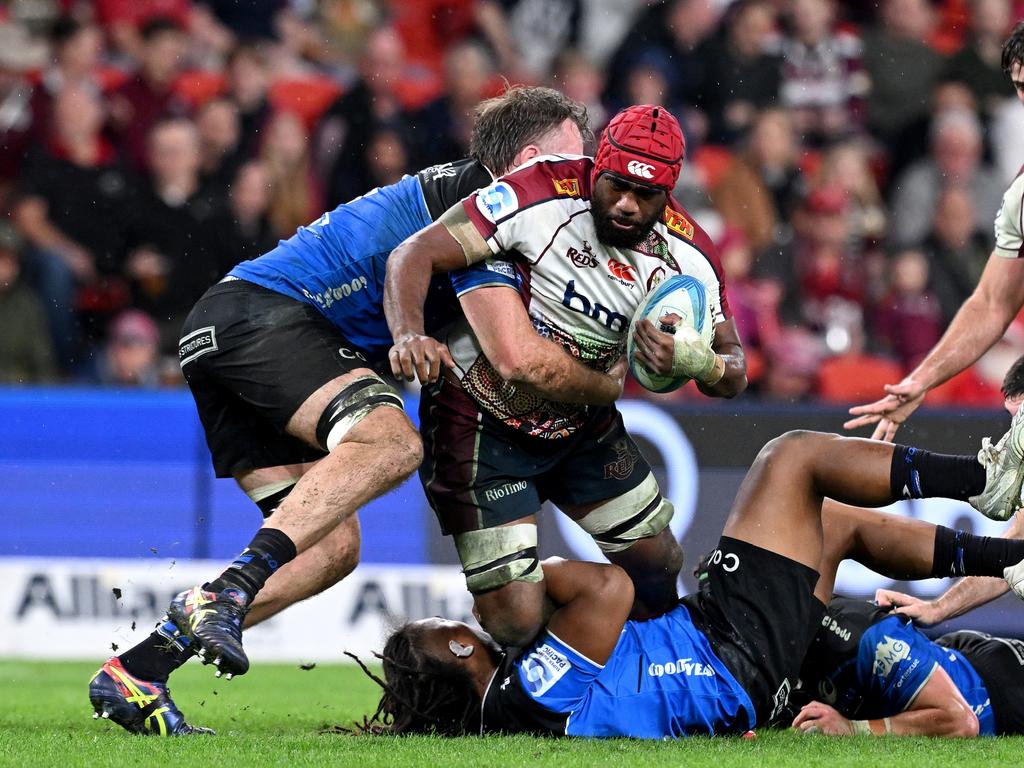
(541,239)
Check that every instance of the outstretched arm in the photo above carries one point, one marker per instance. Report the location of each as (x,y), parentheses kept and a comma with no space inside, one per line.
(521,356)
(939,709)
(592,600)
(979,324)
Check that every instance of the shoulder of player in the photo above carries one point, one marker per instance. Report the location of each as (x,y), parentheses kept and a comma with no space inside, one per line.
(445,184)
(550,177)
(1016,188)
(680,226)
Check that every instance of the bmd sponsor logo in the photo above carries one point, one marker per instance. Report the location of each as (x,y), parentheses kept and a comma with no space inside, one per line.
(577,302)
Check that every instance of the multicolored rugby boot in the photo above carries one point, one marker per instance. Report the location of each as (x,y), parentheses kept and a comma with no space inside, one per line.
(213,622)
(138,706)
(1004,472)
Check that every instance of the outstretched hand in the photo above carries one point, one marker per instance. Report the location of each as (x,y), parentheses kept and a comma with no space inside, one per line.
(923,612)
(416,356)
(891,411)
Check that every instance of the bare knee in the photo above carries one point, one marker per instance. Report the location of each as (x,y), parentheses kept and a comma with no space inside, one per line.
(513,614)
(794,446)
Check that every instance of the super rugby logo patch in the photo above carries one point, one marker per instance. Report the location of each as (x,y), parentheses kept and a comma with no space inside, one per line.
(497,201)
(542,669)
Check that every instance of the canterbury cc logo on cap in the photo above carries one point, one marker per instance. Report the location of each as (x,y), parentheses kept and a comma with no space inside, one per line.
(643,170)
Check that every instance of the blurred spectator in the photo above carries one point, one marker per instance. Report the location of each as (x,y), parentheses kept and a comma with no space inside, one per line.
(174,254)
(754,302)
(251,20)
(19,57)
(675,30)
(763,185)
(741,78)
(791,365)
(956,249)
(220,134)
(847,165)
(346,127)
(903,70)
(76,56)
(149,96)
(444,125)
(955,161)
(537,30)
(74,199)
(296,199)
(26,349)
(387,158)
(248,84)
(581,80)
(977,65)
(908,320)
(823,82)
(126,20)
(245,231)
(130,355)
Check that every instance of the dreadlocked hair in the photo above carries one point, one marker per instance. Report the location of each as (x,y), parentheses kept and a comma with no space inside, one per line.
(422,694)
(1013,48)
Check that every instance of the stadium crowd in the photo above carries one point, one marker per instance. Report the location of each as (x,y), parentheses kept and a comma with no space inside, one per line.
(848,158)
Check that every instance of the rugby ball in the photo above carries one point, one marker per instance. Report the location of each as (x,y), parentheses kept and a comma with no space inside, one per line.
(681,295)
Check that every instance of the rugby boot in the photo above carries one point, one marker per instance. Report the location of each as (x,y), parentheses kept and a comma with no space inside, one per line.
(213,623)
(138,706)
(1014,575)
(1004,472)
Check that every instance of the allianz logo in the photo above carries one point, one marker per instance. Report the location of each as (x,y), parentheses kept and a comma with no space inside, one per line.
(680,667)
(508,489)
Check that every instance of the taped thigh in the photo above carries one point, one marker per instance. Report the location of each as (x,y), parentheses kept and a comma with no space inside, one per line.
(637,514)
(494,557)
(351,405)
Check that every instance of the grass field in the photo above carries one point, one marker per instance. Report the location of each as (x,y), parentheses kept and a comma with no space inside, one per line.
(271,717)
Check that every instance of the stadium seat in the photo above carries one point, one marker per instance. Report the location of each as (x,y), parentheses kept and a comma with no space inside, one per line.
(856,378)
(712,161)
(198,87)
(307,97)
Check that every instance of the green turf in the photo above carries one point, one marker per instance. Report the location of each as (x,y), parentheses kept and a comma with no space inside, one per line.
(271,717)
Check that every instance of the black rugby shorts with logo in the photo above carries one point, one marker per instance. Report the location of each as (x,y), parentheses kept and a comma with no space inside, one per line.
(251,357)
(480,473)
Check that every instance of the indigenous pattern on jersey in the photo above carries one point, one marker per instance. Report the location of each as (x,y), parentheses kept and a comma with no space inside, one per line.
(662,681)
(337,263)
(868,663)
(579,292)
(1010,220)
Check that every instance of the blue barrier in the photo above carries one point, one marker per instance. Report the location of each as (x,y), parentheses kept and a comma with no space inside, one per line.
(117,473)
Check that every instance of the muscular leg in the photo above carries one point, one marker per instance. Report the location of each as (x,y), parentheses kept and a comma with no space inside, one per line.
(778,505)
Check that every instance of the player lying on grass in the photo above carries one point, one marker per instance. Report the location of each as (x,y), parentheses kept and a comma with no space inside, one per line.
(726,658)
(871,672)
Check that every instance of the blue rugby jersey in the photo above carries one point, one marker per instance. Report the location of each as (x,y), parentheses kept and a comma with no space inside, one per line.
(337,263)
(870,664)
(663,680)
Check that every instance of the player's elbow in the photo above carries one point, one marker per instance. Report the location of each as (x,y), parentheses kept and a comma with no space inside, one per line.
(615,588)
(519,365)
(959,722)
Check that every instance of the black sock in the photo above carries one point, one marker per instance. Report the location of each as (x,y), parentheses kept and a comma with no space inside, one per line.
(917,474)
(268,551)
(158,655)
(958,553)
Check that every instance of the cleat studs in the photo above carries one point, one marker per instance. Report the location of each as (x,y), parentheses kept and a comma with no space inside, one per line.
(106,715)
(229,675)
(218,673)
(216,662)
(95,715)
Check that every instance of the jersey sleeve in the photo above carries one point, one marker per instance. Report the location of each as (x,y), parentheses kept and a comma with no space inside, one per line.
(555,675)
(894,663)
(682,229)
(1010,221)
(510,212)
(486,274)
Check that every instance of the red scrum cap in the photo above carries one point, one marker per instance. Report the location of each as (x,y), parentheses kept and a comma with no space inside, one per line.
(643,143)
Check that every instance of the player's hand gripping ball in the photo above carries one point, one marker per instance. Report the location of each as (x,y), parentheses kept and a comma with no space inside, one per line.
(680,295)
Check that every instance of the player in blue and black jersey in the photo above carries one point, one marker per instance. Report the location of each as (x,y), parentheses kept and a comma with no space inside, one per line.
(281,358)
(726,658)
(872,672)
